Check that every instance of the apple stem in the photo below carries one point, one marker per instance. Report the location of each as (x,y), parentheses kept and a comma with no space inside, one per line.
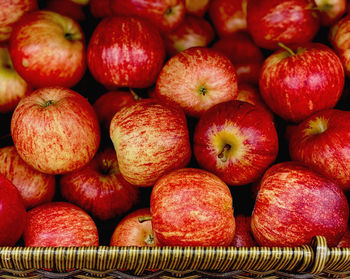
(169,11)
(68,36)
(48,103)
(144,219)
(289,50)
(134,94)
(222,154)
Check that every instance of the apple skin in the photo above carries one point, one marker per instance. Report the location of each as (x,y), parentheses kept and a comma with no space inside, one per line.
(322,142)
(345,240)
(55,130)
(115,48)
(192,32)
(131,232)
(13,215)
(150,138)
(100,8)
(99,188)
(294,204)
(59,224)
(228,17)
(197,7)
(243,235)
(13,86)
(244,54)
(197,79)
(331,10)
(296,86)
(249,134)
(66,8)
(34,187)
(286,21)
(11,11)
(165,14)
(48,49)
(192,207)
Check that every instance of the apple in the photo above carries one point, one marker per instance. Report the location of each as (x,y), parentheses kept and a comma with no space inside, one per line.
(150,138)
(81,2)
(243,235)
(13,215)
(297,83)
(245,55)
(228,17)
(282,21)
(339,38)
(322,142)
(10,12)
(99,188)
(196,7)
(345,240)
(192,207)
(48,49)
(109,103)
(165,14)
(66,8)
(331,10)
(295,204)
(236,141)
(34,187)
(125,52)
(55,130)
(192,32)
(100,8)
(131,231)
(197,79)
(59,224)
(13,86)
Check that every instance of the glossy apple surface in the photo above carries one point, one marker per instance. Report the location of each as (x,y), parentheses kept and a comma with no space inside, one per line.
(236,141)
(243,235)
(294,204)
(197,79)
(282,21)
(13,86)
(192,207)
(12,213)
(99,188)
(322,142)
(131,232)
(150,138)
(59,224)
(295,84)
(34,187)
(125,52)
(48,49)
(55,130)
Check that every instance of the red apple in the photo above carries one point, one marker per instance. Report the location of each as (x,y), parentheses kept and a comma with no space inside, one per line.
(109,103)
(48,49)
(322,142)
(345,240)
(100,8)
(55,130)
(243,235)
(13,86)
(35,187)
(10,12)
(99,188)
(228,17)
(59,224)
(197,7)
(192,32)
(339,37)
(151,138)
(192,207)
(297,83)
(295,204)
(67,8)
(331,10)
(285,21)
(197,79)
(131,232)
(245,55)
(125,52)
(165,14)
(236,141)
(12,213)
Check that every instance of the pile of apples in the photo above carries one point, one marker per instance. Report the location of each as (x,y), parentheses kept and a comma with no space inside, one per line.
(173,122)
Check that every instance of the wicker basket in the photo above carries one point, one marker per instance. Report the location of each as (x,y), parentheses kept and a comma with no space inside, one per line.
(309,261)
